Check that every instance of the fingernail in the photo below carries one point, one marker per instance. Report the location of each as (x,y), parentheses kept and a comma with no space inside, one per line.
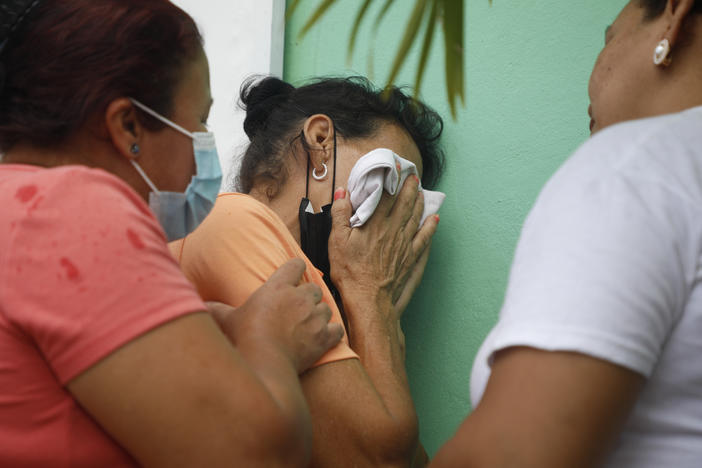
(436,217)
(339,193)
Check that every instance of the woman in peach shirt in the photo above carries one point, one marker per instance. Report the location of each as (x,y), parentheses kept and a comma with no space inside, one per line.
(302,140)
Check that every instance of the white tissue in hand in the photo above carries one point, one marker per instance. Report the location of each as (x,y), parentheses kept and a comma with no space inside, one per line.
(377,171)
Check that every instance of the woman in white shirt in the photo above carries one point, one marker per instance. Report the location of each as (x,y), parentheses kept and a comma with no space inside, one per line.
(595,358)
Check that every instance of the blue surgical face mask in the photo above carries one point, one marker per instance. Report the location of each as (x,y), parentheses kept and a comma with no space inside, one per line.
(180,213)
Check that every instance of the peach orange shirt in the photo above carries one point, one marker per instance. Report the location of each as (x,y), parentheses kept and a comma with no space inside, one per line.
(84,269)
(237,248)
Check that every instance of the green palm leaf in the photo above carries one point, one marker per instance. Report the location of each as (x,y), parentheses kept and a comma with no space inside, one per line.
(292,6)
(426,46)
(383,12)
(450,13)
(315,16)
(413,24)
(453,48)
(356,25)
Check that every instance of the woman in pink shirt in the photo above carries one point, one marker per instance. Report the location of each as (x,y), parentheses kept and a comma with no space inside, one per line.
(106,356)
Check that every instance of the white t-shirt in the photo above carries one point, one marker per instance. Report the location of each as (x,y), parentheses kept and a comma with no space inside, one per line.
(608,265)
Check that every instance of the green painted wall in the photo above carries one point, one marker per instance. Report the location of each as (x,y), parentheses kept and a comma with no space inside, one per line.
(528,64)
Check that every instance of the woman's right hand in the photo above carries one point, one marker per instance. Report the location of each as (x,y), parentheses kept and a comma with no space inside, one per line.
(283,315)
(384,258)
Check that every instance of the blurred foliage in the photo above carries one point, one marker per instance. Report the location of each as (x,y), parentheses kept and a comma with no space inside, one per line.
(448,14)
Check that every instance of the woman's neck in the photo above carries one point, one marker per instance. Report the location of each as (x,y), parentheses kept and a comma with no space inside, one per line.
(28,154)
(90,153)
(282,205)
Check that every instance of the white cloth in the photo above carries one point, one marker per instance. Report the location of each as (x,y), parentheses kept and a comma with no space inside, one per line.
(377,170)
(608,265)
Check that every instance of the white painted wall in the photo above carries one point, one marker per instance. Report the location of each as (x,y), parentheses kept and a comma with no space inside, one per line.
(242,37)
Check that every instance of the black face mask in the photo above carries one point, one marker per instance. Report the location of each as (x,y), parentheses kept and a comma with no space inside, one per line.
(315,229)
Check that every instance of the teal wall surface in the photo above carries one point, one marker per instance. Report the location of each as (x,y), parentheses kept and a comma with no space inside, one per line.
(527,66)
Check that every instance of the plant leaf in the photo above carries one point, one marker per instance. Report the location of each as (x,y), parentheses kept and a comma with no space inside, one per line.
(323,7)
(451,15)
(291,8)
(408,39)
(453,43)
(371,46)
(356,25)
(381,15)
(426,47)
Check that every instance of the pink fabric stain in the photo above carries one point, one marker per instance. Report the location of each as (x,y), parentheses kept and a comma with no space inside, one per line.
(26,193)
(72,272)
(35,205)
(135,240)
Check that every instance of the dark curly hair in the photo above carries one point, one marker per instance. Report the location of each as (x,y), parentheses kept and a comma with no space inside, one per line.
(654,8)
(276,111)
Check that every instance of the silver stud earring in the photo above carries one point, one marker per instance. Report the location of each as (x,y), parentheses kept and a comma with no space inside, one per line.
(661,54)
(323,175)
(134,149)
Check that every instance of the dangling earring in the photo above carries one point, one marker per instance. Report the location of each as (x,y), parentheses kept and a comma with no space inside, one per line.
(323,175)
(134,149)
(661,54)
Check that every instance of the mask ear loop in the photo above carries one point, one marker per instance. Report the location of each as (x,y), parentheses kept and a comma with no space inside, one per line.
(158,116)
(333,187)
(307,179)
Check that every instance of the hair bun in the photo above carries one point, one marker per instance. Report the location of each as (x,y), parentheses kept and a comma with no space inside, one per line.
(259,98)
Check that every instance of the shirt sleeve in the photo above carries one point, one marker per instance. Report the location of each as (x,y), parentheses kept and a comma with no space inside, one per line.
(603,267)
(237,248)
(91,271)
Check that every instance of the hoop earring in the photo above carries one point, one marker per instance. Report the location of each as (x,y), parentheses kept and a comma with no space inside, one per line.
(320,177)
(134,149)
(661,54)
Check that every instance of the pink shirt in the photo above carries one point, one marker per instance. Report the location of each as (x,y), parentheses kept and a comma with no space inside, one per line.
(84,269)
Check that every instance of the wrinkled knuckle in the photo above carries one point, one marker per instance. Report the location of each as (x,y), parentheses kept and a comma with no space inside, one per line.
(315,289)
(324,311)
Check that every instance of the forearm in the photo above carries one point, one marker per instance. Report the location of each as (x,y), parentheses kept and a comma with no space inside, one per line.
(280,379)
(375,335)
(350,417)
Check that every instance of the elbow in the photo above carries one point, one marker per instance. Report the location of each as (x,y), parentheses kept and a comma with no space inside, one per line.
(395,443)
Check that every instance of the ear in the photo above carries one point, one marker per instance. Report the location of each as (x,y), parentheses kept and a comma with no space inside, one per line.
(318,133)
(123,127)
(675,15)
